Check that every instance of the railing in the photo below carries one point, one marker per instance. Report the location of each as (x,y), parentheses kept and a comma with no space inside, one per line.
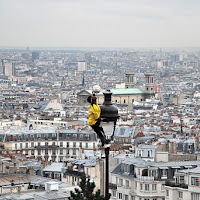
(75,173)
(47,146)
(112,186)
(145,178)
(172,184)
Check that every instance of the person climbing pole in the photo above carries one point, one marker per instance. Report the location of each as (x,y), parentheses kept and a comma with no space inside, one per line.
(94,118)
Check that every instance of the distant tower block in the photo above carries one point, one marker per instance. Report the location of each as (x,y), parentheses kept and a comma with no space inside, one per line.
(130,80)
(150,84)
(82,66)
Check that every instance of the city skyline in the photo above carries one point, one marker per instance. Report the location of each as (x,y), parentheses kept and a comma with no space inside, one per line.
(97,23)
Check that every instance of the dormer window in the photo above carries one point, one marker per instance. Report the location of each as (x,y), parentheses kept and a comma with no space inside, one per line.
(74,136)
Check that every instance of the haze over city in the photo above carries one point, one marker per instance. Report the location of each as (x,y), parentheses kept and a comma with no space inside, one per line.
(97,23)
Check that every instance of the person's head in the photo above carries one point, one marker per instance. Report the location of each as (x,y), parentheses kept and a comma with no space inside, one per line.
(94,100)
(91,99)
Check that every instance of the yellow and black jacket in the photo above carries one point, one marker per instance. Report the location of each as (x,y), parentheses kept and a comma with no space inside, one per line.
(94,114)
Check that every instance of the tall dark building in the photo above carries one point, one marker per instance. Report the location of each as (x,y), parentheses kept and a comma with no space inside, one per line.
(35,55)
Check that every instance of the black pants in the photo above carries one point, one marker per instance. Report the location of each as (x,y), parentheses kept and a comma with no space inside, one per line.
(98,129)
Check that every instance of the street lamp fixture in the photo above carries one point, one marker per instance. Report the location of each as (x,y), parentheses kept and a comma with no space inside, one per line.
(109,114)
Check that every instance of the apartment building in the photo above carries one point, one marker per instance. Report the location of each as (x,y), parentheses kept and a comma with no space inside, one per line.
(136,179)
(47,144)
(185,186)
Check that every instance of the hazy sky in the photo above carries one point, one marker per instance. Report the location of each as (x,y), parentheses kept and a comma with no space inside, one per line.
(100,23)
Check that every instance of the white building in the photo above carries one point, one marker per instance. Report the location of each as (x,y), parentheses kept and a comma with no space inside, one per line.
(82,66)
(9,69)
(186,185)
(136,179)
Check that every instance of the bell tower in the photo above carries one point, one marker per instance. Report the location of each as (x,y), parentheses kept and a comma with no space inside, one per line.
(130,80)
(150,83)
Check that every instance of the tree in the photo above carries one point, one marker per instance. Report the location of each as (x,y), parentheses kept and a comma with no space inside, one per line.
(86,191)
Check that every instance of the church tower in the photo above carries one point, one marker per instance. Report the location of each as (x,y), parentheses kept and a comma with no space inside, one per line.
(130,80)
(63,83)
(150,83)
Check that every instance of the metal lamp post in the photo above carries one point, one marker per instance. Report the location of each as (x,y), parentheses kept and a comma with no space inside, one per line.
(109,113)
(181,121)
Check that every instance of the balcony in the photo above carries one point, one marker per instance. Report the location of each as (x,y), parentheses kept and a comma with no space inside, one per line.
(74,173)
(172,184)
(112,186)
(145,178)
(47,147)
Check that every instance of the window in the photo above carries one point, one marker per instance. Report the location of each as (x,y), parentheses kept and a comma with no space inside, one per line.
(114,193)
(146,187)
(39,152)
(46,151)
(86,145)
(154,187)
(61,144)
(167,193)
(119,195)
(195,181)
(32,152)
(80,137)
(120,182)
(164,172)
(135,185)
(194,196)
(94,146)
(15,146)
(20,145)
(153,173)
(116,180)
(162,187)
(132,197)
(74,151)
(32,144)
(180,195)
(74,144)
(67,144)
(74,136)
(124,100)
(80,144)
(140,186)
(38,144)
(139,153)
(125,197)
(182,179)
(53,151)
(67,151)
(61,151)
(127,184)
(149,154)
(46,143)
(61,135)
(27,145)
